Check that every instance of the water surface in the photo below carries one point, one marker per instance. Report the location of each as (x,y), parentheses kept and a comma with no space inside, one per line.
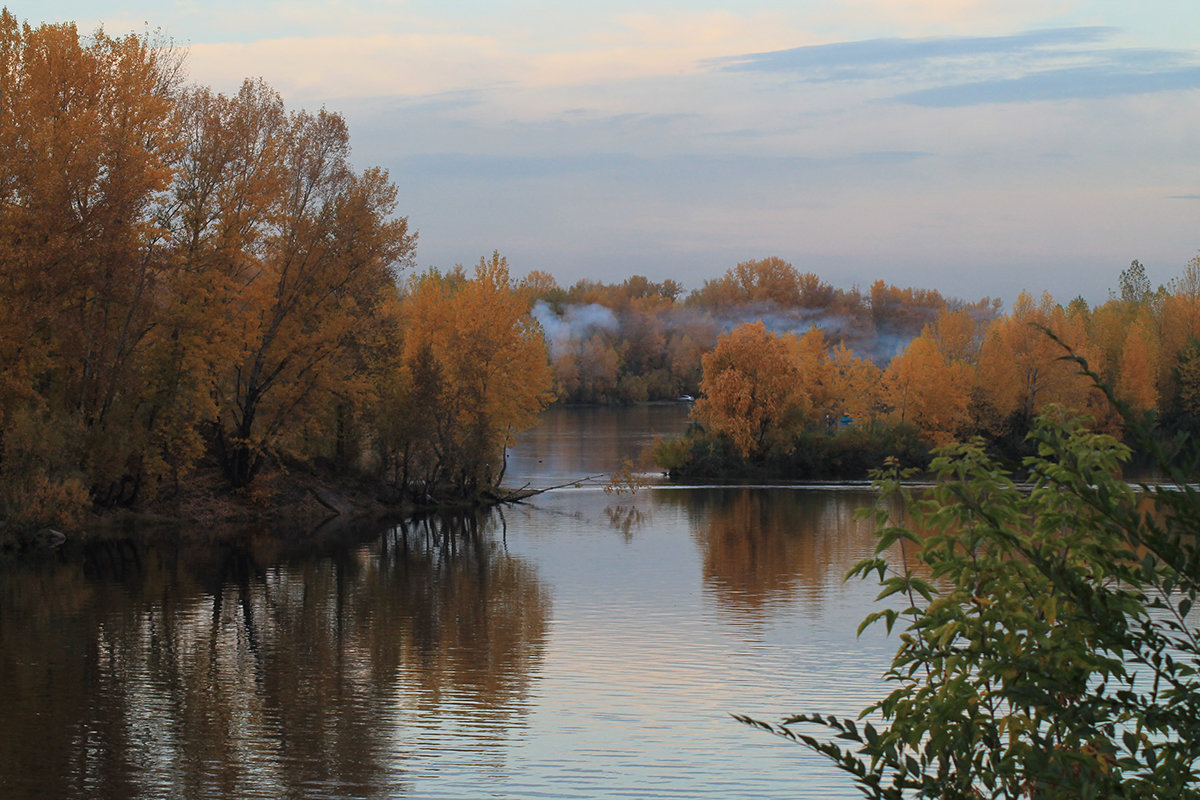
(581,645)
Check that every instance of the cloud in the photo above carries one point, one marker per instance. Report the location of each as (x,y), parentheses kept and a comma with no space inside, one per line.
(1061,84)
(1051,64)
(826,61)
(346,66)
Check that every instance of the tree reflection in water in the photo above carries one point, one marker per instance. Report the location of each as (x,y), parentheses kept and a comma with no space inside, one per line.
(239,668)
(762,547)
(625,518)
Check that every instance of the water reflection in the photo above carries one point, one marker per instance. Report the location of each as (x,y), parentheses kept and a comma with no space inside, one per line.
(229,669)
(626,518)
(763,547)
(420,660)
(572,443)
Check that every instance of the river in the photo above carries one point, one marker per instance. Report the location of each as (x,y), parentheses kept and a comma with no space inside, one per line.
(581,645)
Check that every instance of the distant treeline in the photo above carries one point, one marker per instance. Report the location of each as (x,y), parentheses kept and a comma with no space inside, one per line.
(808,406)
(640,340)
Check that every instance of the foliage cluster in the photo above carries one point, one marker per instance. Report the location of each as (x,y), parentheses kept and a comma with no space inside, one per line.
(473,372)
(189,277)
(815,453)
(640,340)
(1048,646)
(965,374)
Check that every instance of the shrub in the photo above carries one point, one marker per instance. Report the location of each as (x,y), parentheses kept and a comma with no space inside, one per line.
(1048,648)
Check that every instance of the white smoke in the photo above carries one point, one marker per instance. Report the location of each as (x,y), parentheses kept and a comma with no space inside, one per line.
(577,322)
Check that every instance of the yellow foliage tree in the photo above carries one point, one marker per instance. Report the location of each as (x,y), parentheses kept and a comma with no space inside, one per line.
(752,388)
(87,137)
(958,334)
(324,269)
(1021,369)
(1180,326)
(811,354)
(1136,382)
(927,390)
(475,371)
(764,281)
(853,386)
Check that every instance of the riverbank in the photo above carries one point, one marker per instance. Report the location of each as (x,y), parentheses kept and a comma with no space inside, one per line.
(298,501)
(303,500)
(849,453)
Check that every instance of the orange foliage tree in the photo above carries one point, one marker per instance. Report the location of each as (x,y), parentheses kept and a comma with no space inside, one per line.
(769,280)
(753,392)
(473,372)
(853,386)
(1137,379)
(87,137)
(322,269)
(928,390)
(1021,369)
(180,269)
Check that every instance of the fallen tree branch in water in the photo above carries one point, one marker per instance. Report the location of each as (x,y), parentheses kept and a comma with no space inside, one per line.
(524,493)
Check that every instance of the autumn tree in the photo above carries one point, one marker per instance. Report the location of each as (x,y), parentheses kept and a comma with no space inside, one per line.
(1137,380)
(764,281)
(959,333)
(900,314)
(541,285)
(810,351)
(621,342)
(853,386)
(752,390)
(224,203)
(474,371)
(321,269)
(87,134)
(1179,326)
(928,390)
(1021,369)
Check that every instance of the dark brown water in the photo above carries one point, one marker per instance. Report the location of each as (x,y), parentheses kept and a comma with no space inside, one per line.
(582,645)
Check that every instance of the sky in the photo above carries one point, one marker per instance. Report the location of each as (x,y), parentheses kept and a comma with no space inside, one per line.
(979,147)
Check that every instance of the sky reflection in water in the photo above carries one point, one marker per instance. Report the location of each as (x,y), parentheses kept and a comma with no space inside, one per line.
(583,645)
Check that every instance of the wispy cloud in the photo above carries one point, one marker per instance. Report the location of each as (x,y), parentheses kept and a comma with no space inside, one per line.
(1061,84)
(849,59)
(1052,64)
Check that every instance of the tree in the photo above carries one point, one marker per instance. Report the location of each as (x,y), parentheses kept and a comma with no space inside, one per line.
(1137,380)
(1021,371)
(927,390)
(322,268)
(1180,326)
(959,334)
(1187,380)
(473,372)
(752,390)
(1134,284)
(1047,648)
(853,385)
(224,203)
(899,314)
(767,281)
(88,137)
